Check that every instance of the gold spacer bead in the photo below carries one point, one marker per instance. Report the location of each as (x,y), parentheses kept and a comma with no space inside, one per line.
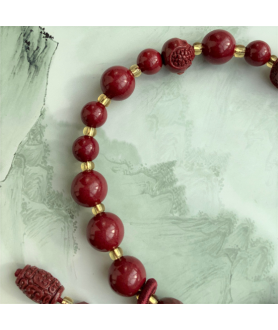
(135,70)
(116,253)
(90,131)
(198,48)
(67,300)
(272,60)
(104,100)
(99,208)
(152,299)
(87,166)
(239,51)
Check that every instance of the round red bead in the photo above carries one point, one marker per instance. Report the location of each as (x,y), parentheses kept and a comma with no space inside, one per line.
(117,83)
(218,46)
(89,188)
(94,114)
(105,231)
(169,301)
(274,74)
(177,55)
(257,53)
(127,275)
(149,61)
(85,148)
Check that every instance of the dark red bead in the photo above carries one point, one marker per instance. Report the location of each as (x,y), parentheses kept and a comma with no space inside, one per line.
(274,74)
(177,55)
(105,231)
(117,83)
(169,301)
(218,46)
(94,114)
(149,61)
(89,188)
(85,148)
(127,275)
(257,53)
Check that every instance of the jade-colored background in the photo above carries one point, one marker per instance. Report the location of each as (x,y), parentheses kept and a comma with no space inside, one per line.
(191,164)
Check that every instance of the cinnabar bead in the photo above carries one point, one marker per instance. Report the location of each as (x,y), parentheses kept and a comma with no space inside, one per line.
(105,231)
(218,46)
(89,188)
(94,114)
(169,301)
(85,148)
(117,83)
(149,61)
(257,53)
(126,276)
(274,74)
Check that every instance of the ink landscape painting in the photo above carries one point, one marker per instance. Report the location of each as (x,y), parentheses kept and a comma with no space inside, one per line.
(190,160)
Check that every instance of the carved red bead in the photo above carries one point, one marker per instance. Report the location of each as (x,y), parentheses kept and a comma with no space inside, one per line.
(94,114)
(177,55)
(105,231)
(89,188)
(85,148)
(117,83)
(274,74)
(169,301)
(257,53)
(127,275)
(218,46)
(149,61)
(38,285)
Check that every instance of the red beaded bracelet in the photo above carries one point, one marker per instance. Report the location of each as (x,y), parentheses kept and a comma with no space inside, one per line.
(105,231)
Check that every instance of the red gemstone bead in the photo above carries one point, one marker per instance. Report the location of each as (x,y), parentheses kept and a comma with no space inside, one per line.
(127,275)
(274,74)
(94,114)
(257,53)
(85,148)
(169,301)
(89,188)
(117,83)
(218,46)
(177,55)
(149,61)
(105,231)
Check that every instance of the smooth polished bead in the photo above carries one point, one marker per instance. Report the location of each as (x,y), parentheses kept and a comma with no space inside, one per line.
(117,83)
(274,74)
(218,46)
(89,188)
(149,61)
(127,275)
(94,114)
(105,231)
(257,53)
(169,301)
(85,148)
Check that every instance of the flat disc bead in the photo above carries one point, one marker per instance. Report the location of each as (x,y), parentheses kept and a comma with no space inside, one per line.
(105,231)
(94,114)
(149,61)
(85,148)
(218,46)
(169,301)
(89,188)
(126,276)
(257,53)
(117,83)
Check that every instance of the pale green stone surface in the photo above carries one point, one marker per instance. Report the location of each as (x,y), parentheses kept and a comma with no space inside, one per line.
(191,164)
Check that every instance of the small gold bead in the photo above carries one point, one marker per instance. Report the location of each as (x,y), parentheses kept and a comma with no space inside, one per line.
(67,300)
(239,51)
(272,60)
(135,70)
(152,299)
(198,48)
(98,209)
(116,253)
(104,100)
(87,166)
(90,131)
